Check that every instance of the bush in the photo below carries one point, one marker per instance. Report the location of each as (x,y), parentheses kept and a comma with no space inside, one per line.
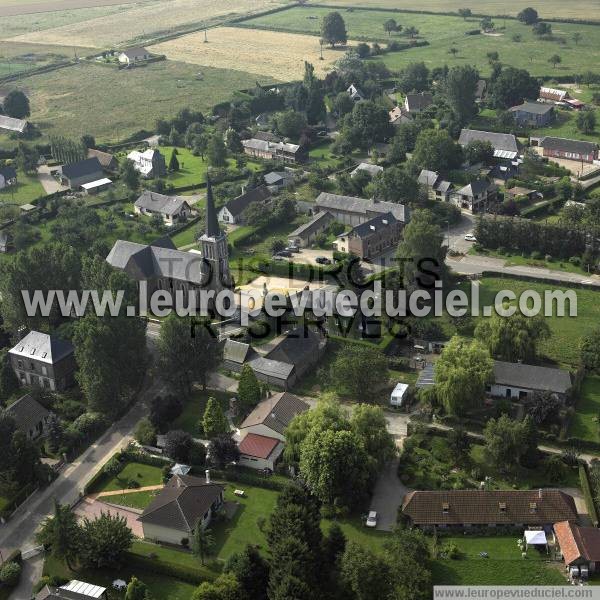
(536,255)
(548,258)
(575,260)
(133,484)
(451,551)
(587,494)
(10,573)
(501,250)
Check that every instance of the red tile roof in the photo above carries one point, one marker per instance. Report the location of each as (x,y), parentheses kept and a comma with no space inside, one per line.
(259,446)
(578,542)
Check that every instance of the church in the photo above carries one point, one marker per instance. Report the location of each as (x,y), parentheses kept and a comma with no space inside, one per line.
(163,267)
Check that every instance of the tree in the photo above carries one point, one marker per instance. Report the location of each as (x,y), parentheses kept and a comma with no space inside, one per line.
(62,534)
(465,13)
(435,150)
(421,254)
(343,104)
(586,121)
(10,573)
(506,441)
(460,88)
(130,175)
(333,29)
(145,433)
(367,575)
(396,185)
(359,371)
(512,86)
(251,571)
(415,76)
(412,32)
(363,50)
(223,450)
(202,542)
(336,467)
(178,445)
(453,50)
(334,545)
(513,338)
(16,105)
(136,590)
(367,123)
(188,352)
(479,151)
(214,421)
(87,140)
(554,60)
(8,380)
(528,15)
(459,443)
(224,587)
(173,162)
(390,26)
(248,389)
(290,123)
(104,541)
(590,352)
(233,141)
(486,24)
(577,37)
(544,408)
(462,372)
(370,425)
(216,151)
(493,57)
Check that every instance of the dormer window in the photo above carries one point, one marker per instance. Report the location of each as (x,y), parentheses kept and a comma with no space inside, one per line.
(445,508)
(502,507)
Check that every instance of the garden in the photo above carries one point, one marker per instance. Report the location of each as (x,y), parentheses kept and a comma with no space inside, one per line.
(585,422)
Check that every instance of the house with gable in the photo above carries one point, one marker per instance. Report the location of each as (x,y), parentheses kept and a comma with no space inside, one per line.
(8,177)
(30,416)
(81,172)
(149,164)
(233,210)
(172,209)
(437,187)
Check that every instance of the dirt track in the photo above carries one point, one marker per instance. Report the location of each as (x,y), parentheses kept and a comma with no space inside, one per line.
(54,5)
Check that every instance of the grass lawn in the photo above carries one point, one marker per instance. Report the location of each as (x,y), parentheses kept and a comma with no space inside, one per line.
(186,236)
(193,410)
(566,332)
(28,188)
(143,474)
(321,154)
(134,500)
(503,567)
(584,424)
(443,32)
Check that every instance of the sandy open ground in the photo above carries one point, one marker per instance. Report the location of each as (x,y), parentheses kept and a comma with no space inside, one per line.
(279,55)
(143,20)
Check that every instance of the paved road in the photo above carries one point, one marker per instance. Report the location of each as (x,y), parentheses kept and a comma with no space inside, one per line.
(30,575)
(387,496)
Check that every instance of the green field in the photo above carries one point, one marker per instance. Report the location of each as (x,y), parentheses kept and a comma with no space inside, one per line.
(194,407)
(443,32)
(112,104)
(585,422)
(145,475)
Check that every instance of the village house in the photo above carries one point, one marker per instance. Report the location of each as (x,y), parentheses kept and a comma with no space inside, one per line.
(355,93)
(172,209)
(73,590)
(78,173)
(504,144)
(416,103)
(371,238)
(184,503)
(291,153)
(369,168)
(398,116)
(476,197)
(107,161)
(30,416)
(277,180)
(260,451)
(5,241)
(271,417)
(8,177)
(352,211)
(466,508)
(579,546)
(534,114)
(577,150)
(133,55)
(150,163)
(518,380)
(306,234)
(13,125)
(233,211)
(43,360)
(437,187)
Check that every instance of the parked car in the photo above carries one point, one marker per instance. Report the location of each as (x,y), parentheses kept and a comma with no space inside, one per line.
(372,519)
(470,237)
(285,253)
(277,257)
(322,260)
(294,249)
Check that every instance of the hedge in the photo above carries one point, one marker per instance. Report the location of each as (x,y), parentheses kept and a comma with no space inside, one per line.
(161,567)
(587,494)
(238,476)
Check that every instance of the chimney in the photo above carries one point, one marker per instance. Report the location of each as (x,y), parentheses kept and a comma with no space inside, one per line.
(207,473)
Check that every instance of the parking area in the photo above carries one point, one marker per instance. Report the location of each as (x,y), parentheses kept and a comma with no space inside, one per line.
(92,509)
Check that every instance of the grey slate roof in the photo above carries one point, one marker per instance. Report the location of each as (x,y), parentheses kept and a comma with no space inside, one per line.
(238,205)
(314,223)
(500,141)
(180,504)
(297,347)
(264,146)
(428,178)
(271,368)
(535,108)
(372,170)
(373,225)
(361,206)
(144,262)
(27,412)
(566,145)
(419,101)
(275,177)
(81,168)
(532,377)
(235,351)
(8,172)
(42,347)
(165,205)
(479,186)
(137,52)
(276,412)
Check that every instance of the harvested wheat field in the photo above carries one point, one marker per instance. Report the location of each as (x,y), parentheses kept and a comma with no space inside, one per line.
(278,55)
(143,21)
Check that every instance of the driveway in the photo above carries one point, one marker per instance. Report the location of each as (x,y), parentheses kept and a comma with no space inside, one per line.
(30,575)
(387,496)
(92,509)
(48,182)
(307,256)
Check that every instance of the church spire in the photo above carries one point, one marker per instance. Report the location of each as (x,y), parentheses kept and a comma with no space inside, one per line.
(212,225)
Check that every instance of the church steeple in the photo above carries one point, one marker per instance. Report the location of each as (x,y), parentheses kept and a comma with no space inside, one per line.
(212,224)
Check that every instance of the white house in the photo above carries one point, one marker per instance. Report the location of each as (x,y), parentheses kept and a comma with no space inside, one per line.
(398,395)
(8,176)
(149,164)
(260,451)
(355,93)
(133,55)
(233,211)
(172,209)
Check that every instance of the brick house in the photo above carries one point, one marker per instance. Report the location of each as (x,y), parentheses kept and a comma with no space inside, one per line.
(554,147)
(371,238)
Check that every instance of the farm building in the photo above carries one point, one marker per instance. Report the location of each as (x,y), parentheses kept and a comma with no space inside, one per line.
(504,144)
(552,95)
(233,211)
(133,55)
(13,125)
(304,235)
(437,187)
(554,147)
(260,451)
(73,590)
(464,508)
(276,180)
(106,160)
(579,546)
(95,187)
(150,163)
(372,170)
(78,173)
(8,177)
(534,114)
(172,209)
(352,211)
(371,238)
